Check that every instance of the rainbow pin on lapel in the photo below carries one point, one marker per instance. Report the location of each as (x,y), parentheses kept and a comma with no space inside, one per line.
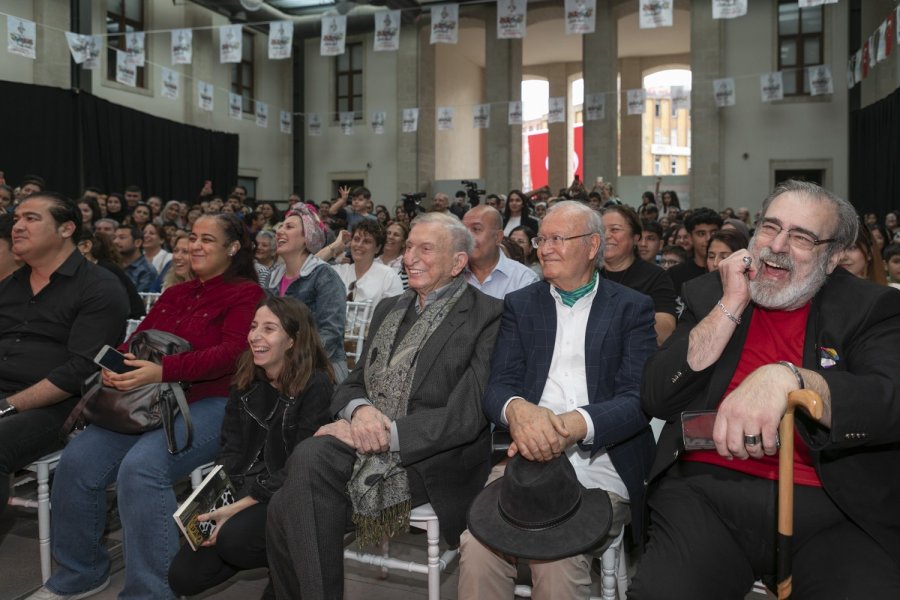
(828,357)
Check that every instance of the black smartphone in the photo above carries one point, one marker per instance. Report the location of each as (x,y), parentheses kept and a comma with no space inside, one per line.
(111,359)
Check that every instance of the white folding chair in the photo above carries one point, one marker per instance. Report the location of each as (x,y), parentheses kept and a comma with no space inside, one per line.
(358,316)
(421,517)
(131,327)
(149,299)
(199,473)
(614,574)
(41,469)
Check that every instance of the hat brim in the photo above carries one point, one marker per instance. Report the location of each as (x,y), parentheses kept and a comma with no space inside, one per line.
(583,531)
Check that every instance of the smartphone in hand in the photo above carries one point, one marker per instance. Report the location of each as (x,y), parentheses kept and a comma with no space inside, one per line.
(112,360)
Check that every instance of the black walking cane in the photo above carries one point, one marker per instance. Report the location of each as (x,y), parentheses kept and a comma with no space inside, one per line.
(811,401)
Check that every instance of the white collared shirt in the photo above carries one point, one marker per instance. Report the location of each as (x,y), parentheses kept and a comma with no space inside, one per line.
(507,276)
(380,281)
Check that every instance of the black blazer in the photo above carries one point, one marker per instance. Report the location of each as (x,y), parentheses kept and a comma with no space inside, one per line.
(444,436)
(858,459)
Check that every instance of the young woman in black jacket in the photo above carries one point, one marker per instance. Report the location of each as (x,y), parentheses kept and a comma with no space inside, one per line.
(281,394)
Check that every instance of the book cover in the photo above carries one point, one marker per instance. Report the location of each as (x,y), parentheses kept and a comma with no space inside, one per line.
(215,491)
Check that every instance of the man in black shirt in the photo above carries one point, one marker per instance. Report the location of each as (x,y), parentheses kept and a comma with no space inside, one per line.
(56,312)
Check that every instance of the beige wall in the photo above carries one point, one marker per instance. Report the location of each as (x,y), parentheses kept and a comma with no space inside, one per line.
(810,129)
(363,155)
(12,67)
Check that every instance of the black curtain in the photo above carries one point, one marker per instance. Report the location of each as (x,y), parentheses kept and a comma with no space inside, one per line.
(39,135)
(875,156)
(76,139)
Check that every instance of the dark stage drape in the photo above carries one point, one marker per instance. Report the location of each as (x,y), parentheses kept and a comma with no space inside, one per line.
(875,156)
(75,140)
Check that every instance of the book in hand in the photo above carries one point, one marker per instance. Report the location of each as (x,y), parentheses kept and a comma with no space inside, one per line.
(215,491)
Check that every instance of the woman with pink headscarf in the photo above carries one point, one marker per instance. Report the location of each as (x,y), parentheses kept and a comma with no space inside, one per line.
(304,276)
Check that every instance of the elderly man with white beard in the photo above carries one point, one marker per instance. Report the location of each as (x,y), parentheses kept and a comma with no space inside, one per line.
(778,317)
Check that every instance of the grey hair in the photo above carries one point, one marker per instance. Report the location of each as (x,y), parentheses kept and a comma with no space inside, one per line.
(460,237)
(844,235)
(266,234)
(591,218)
(107,220)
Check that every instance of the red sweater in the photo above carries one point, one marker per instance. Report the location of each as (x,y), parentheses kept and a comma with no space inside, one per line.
(214,317)
(773,335)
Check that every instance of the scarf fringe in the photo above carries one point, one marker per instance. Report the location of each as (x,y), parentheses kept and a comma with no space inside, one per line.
(389,522)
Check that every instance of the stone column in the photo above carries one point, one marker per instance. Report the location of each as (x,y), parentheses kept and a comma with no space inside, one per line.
(632,125)
(202,67)
(706,62)
(600,62)
(407,97)
(426,101)
(502,143)
(557,137)
(298,108)
(51,67)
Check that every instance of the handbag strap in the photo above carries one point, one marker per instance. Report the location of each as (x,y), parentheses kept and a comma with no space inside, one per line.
(168,421)
(91,386)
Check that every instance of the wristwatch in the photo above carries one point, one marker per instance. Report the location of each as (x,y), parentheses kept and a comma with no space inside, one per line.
(6,409)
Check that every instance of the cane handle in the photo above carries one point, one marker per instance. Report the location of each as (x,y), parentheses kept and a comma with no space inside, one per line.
(807,399)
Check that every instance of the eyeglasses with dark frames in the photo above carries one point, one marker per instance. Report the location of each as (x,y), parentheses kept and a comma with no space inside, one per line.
(797,238)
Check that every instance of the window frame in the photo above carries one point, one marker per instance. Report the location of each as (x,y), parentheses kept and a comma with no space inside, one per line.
(247,65)
(119,40)
(797,71)
(352,96)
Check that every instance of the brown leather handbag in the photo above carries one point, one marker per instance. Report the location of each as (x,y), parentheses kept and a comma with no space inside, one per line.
(142,409)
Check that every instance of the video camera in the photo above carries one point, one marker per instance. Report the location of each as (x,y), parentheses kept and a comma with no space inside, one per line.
(412,203)
(473,193)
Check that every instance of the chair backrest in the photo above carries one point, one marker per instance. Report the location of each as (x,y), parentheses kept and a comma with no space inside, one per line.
(132,326)
(358,316)
(149,299)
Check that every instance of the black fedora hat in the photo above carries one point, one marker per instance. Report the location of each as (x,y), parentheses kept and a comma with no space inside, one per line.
(540,511)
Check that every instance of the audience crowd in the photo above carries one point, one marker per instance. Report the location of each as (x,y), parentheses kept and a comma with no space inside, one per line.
(579,289)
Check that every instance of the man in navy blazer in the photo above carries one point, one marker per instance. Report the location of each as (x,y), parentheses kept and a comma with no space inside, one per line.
(565,379)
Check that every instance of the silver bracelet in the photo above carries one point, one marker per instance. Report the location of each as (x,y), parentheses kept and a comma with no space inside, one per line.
(795,371)
(731,317)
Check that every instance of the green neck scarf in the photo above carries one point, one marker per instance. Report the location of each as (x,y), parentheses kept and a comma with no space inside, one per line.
(570,298)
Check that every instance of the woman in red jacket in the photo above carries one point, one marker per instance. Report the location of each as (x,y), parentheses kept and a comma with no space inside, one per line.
(213,312)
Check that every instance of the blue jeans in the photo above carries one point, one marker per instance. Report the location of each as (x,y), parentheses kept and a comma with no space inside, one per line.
(144,473)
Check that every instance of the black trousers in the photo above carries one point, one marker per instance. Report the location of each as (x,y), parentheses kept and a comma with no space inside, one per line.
(240,545)
(27,436)
(713,533)
(309,516)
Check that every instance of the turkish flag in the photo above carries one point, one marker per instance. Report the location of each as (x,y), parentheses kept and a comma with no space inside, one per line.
(579,151)
(865,60)
(537,159)
(889,35)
